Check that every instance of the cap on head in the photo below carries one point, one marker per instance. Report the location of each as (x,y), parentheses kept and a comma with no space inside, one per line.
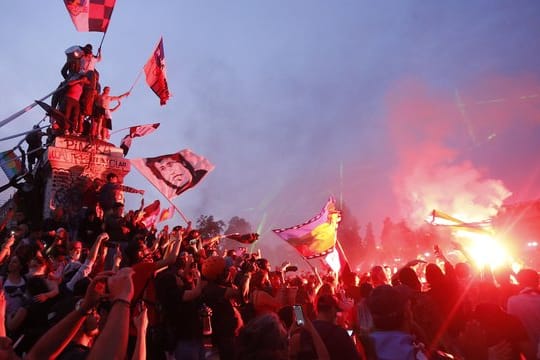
(87,49)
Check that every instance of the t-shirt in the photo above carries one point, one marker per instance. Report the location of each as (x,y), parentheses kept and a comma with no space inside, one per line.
(14,293)
(224,316)
(336,339)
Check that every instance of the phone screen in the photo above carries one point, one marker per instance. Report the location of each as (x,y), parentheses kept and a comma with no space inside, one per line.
(299,315)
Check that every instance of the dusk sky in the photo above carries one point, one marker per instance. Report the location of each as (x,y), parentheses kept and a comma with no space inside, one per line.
(395,107)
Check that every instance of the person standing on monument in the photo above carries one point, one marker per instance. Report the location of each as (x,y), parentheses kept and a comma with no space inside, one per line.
(102,123)
(113,192)
(72,107)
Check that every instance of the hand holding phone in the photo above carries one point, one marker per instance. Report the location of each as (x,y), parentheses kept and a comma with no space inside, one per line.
(299,315)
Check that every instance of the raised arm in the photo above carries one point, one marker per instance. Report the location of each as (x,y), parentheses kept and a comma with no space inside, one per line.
(131,190)
(86,268)
(172,255)
(6,247)
(53,342)
(141,323)
(94,250)
(112,343)
(2,314)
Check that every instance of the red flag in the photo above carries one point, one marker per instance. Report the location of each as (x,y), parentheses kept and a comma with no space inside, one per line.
(317,236)
(172,174)
(156,73)
(90,15)
(243,238)
(150,214)
(137,131)
(166,214)
(142,130)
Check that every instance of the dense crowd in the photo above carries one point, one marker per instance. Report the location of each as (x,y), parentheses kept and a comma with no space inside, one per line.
(96,282)
(108,286)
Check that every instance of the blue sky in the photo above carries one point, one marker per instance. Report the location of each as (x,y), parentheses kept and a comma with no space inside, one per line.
(294,101)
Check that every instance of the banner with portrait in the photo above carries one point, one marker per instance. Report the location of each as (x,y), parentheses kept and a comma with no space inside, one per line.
(172,174)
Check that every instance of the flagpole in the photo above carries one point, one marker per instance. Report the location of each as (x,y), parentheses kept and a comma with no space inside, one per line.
(136,80)
(169,200)
(311,266)
(338,244)
(117,131)
(23,133)
(18,156)
(26,109)
(179,211)
(101,43)
(341,184)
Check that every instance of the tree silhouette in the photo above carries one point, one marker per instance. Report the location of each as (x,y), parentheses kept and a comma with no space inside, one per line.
(238,225)
(369,238)
(349,236)
(208,227)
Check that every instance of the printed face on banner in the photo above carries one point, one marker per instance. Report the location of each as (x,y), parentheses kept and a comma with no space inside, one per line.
(171,170)
(172,174)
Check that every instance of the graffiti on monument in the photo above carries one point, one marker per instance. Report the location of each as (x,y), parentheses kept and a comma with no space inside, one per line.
(85,146)
(67,189)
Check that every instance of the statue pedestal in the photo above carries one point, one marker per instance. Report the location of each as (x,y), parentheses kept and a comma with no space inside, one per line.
(72,163)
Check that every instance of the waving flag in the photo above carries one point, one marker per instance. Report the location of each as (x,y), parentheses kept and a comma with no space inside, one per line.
(137,131)
(172,174)
(150,214)
(166,214)
(156,73)
(248,238)
(11,164)
(90,15)
(317,236)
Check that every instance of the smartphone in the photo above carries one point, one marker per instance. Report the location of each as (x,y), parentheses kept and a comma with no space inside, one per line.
(299,315)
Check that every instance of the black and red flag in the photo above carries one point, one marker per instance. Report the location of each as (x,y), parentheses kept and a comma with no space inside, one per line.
(90,15)
(137,131)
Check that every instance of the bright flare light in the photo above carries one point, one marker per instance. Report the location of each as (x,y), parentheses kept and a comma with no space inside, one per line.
(484,249)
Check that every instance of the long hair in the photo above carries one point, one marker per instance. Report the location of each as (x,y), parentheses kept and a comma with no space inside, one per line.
(196,175)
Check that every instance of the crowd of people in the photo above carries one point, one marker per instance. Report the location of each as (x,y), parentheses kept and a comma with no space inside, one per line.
(99,283)
(108,286)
